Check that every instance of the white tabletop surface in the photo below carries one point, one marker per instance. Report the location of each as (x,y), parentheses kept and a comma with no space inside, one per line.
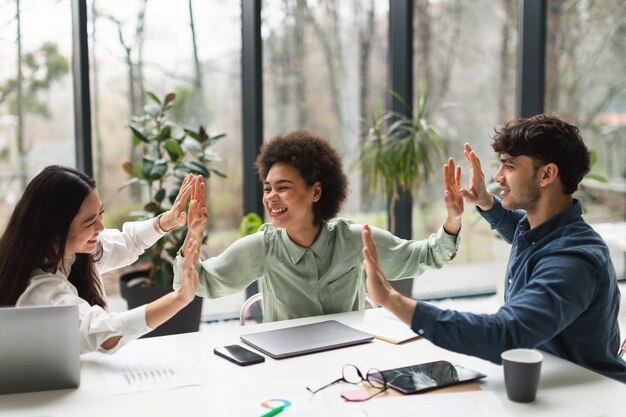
(565,389)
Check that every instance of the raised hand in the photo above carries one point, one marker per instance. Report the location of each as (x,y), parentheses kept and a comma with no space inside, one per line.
(198,216)
(177,216)
(189,282)
(477,192)
(451,187)
(376,283)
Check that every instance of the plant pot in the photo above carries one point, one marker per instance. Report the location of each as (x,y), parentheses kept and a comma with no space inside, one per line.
(185,321)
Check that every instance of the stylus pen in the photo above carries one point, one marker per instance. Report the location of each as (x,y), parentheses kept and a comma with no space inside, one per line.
(274,411)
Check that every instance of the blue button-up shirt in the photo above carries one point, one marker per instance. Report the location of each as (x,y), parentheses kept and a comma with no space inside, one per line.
(561,296)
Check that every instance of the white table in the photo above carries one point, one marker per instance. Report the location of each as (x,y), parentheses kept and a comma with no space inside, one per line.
(565,390)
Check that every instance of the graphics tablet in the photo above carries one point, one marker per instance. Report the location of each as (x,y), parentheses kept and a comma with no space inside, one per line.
(308,338)
(427,376)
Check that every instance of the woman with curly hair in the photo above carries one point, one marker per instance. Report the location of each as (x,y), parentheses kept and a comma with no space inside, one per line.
(306,263)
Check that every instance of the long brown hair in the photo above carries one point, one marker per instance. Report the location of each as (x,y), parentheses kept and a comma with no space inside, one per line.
(36,235)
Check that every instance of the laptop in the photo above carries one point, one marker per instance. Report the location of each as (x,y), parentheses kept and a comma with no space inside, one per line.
(40,348)
(308,338)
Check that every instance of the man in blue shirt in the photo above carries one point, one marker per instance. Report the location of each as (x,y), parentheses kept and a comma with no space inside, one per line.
(561,293)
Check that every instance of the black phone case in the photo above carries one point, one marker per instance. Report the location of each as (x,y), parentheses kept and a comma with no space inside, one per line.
(253,361)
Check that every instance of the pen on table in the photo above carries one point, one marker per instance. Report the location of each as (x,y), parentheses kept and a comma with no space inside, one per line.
(274,411)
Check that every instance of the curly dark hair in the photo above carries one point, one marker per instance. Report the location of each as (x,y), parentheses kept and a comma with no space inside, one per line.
(546,139)
(316,160)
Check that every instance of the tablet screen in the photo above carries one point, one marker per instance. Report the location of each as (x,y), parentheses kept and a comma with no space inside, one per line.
(427,376)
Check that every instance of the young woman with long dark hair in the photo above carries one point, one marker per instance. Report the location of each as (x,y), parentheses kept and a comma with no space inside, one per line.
(55,247)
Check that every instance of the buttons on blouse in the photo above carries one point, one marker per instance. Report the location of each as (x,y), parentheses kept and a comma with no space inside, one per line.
(420,331)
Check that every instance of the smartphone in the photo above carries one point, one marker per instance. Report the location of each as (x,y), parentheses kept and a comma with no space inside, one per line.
(239,355)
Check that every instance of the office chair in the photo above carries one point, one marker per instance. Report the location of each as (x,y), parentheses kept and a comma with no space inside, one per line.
(252,308)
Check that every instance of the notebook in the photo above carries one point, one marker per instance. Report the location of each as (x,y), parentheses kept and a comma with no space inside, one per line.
(308,338)
(40,348)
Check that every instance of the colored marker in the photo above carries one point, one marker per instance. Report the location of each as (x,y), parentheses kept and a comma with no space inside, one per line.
(274,411)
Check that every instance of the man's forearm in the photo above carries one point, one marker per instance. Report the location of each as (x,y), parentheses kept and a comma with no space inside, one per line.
(401,306)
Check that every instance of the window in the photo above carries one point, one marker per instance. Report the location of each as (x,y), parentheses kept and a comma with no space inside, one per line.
(36,130)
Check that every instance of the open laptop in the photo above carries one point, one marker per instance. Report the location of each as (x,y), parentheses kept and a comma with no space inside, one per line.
(308,338)
(40,348)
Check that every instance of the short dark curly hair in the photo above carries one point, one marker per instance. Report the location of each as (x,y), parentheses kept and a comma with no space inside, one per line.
(316,160)
(546,139)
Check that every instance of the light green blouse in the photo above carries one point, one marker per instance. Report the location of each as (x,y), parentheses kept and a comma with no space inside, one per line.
(326,278)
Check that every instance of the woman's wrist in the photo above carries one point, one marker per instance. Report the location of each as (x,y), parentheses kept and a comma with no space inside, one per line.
(452,225)
(164,222)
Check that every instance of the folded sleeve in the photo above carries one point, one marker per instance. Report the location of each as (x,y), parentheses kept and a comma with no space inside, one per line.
(121,248)
(402,258)
(239,265)
(96,324)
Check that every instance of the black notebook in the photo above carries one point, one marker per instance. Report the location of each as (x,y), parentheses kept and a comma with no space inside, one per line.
(308,338)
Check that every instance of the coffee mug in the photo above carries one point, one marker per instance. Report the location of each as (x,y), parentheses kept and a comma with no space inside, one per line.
(522,368)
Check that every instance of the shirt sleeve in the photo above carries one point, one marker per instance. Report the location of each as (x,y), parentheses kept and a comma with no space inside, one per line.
(121,248)
(96,324)
(534,315)
(502,220)
(238,266)
(402,258)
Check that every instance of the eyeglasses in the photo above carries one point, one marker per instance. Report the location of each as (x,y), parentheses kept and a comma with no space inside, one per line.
(352,375)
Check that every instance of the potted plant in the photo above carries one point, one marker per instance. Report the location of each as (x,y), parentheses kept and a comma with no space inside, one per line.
(168,153)
(400,153)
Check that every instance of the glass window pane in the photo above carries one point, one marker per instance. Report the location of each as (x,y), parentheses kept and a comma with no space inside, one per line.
(586,85)
(325,68)
(36,128)
(465,64)
(139,47)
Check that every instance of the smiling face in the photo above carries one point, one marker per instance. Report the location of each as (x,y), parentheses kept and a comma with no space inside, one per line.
(85,227)
(287,198)
(518,179)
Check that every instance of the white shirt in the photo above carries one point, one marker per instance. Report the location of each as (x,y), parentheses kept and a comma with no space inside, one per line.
(96,324)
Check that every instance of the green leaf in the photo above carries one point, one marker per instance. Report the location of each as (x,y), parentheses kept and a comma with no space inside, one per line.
(215,137)
(136,171)
(218,172)
(147,163)
(158,170)
(166,133)
(209,155)
(160,195)
(153,97)
(138,135)
(174,150)
(128,182)
(250,224)
(197,168)
(151,207)
(196,136)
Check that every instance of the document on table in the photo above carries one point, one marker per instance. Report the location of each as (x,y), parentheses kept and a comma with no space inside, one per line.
(466,404)
(258,399)
(388,328)
(126,374)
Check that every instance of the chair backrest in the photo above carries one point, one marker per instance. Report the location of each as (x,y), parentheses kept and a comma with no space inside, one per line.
(252,308)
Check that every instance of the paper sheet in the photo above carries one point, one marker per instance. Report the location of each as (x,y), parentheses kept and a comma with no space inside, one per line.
(466,404)
(259,399)
(126,374)
(387,328)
